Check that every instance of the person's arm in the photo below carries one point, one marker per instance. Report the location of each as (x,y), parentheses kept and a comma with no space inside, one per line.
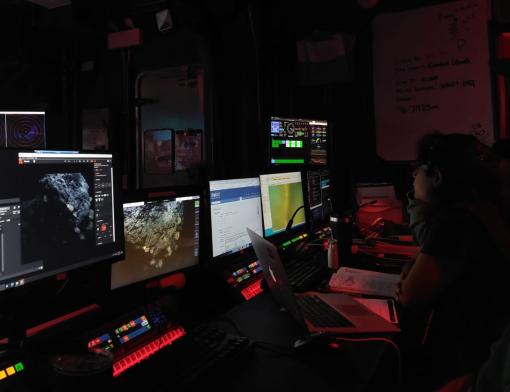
(423,283)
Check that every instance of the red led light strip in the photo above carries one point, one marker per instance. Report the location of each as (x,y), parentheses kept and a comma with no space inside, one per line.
(144,352)
(252,290)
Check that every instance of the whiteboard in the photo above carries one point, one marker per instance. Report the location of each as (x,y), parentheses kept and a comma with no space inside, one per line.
(431,73)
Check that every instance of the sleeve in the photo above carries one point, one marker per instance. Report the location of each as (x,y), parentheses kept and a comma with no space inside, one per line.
(451,240)
(416,219)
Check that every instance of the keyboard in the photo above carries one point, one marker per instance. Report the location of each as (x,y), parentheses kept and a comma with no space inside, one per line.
(320,314)
(204,349)
(307,272)
(203,353)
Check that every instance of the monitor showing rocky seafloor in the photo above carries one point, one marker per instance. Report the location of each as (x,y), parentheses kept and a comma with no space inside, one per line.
(58,212)
(162,236)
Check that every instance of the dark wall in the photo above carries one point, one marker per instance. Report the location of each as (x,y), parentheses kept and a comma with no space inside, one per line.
(248,51)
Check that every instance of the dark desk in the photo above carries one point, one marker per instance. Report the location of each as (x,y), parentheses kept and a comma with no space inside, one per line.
(351,367)
(274,367)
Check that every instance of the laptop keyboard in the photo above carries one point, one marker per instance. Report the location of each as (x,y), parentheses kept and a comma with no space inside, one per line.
(320,314)
(304,274)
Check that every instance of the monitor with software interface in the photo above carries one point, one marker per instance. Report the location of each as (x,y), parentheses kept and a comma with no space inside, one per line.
(282,202)
(296,141)
(162,236)
(319,195)
(235,206)
(59,211)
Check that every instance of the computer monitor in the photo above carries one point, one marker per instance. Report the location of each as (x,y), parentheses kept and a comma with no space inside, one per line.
(235,206)
(22,129)
(319,195)
(162,236)
(298,141)
(58,211)
(282,201)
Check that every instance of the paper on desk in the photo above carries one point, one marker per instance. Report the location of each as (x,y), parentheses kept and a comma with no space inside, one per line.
(384,308)
(357,281)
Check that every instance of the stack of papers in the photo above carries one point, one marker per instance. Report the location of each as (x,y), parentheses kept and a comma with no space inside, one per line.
(357,281)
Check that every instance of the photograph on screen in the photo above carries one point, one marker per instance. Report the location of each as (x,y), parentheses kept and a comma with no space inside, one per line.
(158,151)
(282,197)
(188,149)
(24,129)
(235,206)
(161,236)
(58,210)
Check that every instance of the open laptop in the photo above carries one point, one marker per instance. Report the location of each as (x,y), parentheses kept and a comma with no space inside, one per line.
(330,313)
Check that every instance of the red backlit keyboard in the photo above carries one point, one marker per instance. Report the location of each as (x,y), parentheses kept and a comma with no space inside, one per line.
(252,290)
(146,351)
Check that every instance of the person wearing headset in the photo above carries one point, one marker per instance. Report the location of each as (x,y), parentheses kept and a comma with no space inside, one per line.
(462,269)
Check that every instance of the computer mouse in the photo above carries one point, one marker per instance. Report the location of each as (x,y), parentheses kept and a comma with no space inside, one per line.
(313,341)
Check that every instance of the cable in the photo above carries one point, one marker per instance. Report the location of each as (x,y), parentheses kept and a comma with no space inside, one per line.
(291,221)
(384,340)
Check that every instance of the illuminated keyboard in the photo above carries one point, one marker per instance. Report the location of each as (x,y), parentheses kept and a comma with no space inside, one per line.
(200,355)
(252,290)
(144,352)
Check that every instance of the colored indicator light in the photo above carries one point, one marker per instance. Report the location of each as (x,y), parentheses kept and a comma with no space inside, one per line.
(2,374)
(19,367)
(10,370)
(283,161)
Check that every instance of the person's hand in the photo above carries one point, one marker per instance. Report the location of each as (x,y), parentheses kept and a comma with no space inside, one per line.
(403,274)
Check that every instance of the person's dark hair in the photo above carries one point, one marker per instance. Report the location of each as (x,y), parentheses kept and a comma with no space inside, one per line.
(467,168)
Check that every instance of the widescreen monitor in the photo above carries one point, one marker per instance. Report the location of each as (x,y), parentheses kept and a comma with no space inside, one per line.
(59,210)
(161,235)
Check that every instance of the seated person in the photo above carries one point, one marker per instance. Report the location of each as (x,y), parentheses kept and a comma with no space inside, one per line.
(462,270)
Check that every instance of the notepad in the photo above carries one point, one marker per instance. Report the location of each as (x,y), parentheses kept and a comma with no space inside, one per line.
(358,281)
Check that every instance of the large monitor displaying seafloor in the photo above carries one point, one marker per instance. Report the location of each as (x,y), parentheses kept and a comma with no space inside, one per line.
(161,236)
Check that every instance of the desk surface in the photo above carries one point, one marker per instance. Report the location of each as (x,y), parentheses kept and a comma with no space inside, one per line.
(350,367)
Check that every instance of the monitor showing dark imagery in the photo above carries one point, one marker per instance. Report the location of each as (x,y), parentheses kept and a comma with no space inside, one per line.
(57,213)
(161,236)
(24,129)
